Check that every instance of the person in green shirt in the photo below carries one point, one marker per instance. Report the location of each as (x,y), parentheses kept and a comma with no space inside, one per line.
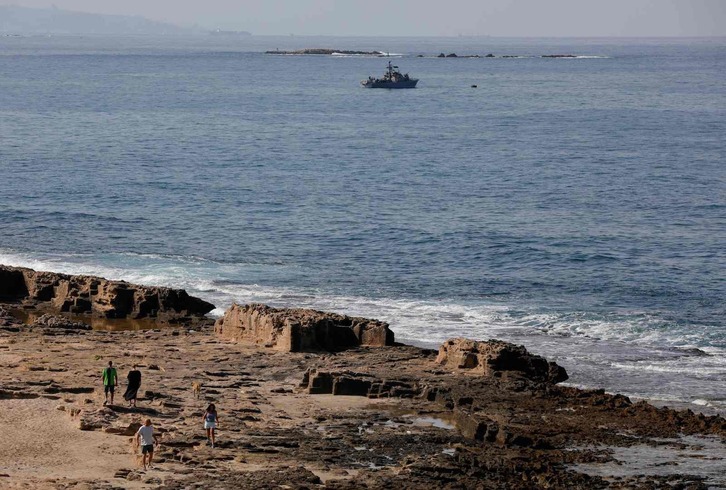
(110,380)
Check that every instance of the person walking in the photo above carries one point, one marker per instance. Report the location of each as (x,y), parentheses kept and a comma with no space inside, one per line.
(147,439)
(110,380)
(132,389)
(211,419)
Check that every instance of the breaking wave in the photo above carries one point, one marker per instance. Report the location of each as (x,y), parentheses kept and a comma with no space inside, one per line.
(632,352)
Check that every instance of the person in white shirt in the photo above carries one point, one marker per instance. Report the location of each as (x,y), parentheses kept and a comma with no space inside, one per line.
(146,437)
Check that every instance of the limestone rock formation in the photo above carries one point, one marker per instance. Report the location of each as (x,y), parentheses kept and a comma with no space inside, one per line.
(496,356)
(97,296)
(300,330)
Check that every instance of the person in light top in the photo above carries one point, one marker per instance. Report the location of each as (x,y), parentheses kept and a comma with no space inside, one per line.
(146,437)
(210,422)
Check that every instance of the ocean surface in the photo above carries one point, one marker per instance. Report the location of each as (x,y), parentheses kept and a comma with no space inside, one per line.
(576,205)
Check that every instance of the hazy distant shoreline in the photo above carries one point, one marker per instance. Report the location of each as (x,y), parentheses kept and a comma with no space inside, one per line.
(23,20)
(16,21)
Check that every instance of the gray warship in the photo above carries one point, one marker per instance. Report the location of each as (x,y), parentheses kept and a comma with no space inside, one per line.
(391,79)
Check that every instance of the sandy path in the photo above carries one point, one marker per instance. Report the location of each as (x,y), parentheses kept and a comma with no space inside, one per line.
(36,436)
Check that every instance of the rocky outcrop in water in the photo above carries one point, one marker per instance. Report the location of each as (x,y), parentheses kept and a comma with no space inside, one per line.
(300,330)
(326,51)
(99,297)
(495,357)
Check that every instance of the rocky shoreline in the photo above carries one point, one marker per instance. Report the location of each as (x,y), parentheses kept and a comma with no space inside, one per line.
(310,399)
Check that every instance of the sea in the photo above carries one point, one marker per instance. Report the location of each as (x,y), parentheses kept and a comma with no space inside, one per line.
(573,205)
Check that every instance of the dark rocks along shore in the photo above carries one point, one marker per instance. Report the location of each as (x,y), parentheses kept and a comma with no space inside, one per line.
(310,399)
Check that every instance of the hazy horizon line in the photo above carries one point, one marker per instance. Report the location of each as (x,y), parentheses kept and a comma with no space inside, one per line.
(205,31)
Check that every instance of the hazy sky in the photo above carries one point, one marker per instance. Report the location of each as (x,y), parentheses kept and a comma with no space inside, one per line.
(426,17)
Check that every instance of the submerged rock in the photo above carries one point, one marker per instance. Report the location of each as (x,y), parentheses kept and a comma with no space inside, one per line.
(52,321)
(300,330)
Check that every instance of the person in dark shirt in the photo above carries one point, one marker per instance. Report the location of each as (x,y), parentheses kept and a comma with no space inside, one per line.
(132,389)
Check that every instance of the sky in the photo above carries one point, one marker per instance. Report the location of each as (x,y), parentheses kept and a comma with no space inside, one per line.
(528,18)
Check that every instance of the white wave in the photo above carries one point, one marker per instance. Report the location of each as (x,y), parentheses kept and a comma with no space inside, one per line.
(703,403)
(675,367)
(632,327)
(715,407)
(217,312)
(628,351)
(578,57)
(425,322)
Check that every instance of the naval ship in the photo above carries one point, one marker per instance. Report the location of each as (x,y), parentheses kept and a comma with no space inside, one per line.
(391,79)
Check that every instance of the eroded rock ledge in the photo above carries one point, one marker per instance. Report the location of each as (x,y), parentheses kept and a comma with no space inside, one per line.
(300,330)
(495,357)
(96,296)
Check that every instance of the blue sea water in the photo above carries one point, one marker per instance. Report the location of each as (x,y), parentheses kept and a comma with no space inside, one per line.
(577,206)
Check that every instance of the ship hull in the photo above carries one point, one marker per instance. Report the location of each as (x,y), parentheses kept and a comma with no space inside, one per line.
(391,85)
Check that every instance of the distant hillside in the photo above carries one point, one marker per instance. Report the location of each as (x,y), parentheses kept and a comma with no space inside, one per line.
(22,20)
